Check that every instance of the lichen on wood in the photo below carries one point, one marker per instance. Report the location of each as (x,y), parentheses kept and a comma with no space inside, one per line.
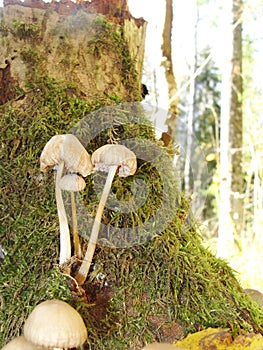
(75,47)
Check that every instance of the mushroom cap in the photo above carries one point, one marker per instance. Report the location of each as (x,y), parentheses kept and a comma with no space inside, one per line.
(255,295)
(66,148)
(119,155)
(21,343)
(54,323)
(161,346)
(72,182)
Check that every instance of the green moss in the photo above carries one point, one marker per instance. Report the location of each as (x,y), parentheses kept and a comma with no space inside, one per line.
(153,278)
(150,281)
(100,24)
(25,31)
(29,56)
(29,227)
(105,38)
(4,30)
(115,98)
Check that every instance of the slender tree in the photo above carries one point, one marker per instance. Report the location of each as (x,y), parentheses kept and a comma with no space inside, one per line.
(191,102)
(231,185)
(168,66)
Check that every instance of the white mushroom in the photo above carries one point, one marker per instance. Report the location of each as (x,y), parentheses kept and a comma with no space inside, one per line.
(73,183)
(21,343)
(55,324)
(59,152)
(111,159)
(66,148)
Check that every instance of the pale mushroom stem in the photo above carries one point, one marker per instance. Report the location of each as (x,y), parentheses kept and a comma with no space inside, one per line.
(65,247)
(85,266)
(77,247)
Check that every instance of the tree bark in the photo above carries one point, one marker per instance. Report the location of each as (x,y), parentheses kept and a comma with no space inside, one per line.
(236,122)
(168,67)
(190,147)
(231,184)
(67,41)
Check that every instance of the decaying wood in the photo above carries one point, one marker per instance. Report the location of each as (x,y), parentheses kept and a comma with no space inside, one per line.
(61,36)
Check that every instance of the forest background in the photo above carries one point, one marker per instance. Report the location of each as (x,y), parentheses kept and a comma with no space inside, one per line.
(203,37)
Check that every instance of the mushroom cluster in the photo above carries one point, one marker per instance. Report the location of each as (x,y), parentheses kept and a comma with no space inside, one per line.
(53,324)
(66,153)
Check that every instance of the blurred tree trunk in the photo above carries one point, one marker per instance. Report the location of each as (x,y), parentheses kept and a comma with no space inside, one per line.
(168,67)
(231,184)
(190,146)
(257,173)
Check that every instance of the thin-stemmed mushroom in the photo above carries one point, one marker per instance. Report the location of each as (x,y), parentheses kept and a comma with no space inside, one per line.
(73,183)
(64,151)
(110,159)
(55,324)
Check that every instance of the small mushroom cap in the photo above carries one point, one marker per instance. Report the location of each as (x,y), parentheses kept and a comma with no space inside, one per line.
(55,324)
(66,148)
(119,155)
(255,295)
(21,343)
(161,346)
(72,182)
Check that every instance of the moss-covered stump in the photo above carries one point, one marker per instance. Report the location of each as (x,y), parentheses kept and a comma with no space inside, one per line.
(154,283)
(151,279)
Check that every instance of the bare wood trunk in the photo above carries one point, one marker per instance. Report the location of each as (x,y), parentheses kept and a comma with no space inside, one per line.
(231,183)
(190,147)
(168,66)
(236,123)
